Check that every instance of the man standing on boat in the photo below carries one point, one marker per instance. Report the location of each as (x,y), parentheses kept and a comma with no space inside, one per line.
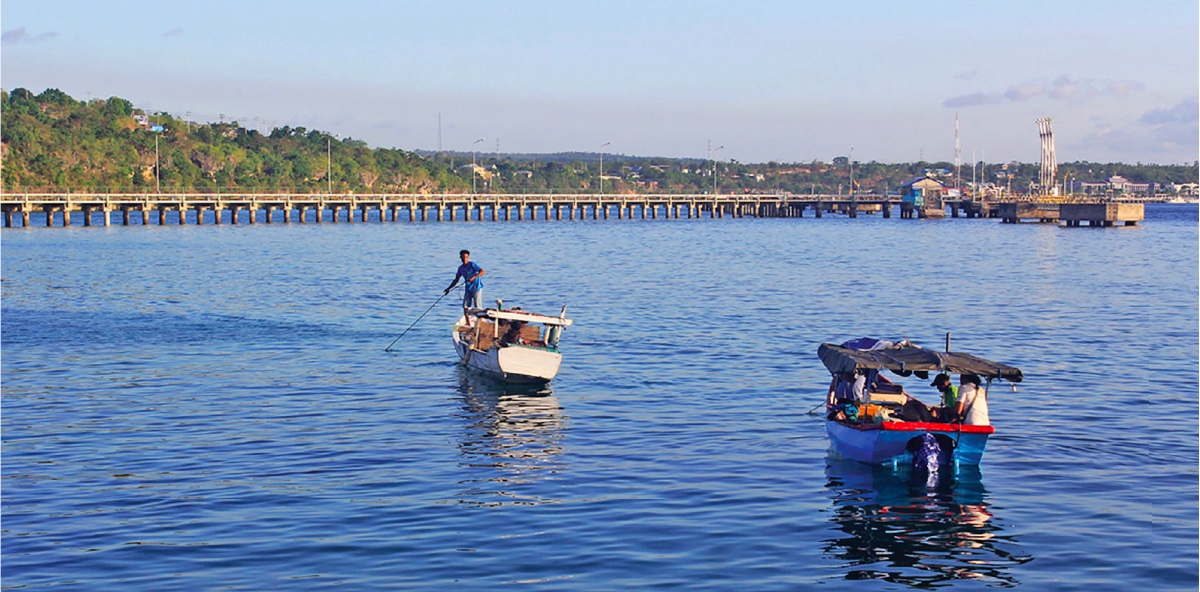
(470,272)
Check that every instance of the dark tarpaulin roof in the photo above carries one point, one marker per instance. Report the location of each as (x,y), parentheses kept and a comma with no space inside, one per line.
(911,358)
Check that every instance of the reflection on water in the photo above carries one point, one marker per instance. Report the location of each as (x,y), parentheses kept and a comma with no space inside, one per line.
(511,441)
(902,528)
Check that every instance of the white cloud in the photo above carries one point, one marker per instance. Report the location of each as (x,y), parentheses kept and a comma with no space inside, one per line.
(1063,88)
(1169,134)
(972,100)
(20,35)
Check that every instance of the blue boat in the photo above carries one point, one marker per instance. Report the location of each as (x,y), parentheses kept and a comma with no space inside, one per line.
(881,427)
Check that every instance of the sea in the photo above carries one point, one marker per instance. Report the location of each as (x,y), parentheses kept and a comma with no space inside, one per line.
(217,407)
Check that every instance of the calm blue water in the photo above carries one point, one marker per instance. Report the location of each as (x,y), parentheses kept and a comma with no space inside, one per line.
(203,408)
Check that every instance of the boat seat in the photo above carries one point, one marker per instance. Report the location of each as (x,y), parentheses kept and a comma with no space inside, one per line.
(888,398)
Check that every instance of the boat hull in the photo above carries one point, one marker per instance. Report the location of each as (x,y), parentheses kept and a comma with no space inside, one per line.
(514,364)
(889,441)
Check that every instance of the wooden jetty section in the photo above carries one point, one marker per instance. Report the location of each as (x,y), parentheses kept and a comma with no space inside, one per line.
(1014,212)
(1102,214)
(1073,214)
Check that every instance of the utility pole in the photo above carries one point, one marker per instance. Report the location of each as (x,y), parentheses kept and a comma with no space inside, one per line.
(957,158)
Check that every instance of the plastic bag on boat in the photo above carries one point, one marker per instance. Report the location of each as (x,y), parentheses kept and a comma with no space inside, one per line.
(851,412)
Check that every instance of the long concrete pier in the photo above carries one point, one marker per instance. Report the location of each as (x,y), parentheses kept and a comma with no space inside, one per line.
(88,209)
(65,209)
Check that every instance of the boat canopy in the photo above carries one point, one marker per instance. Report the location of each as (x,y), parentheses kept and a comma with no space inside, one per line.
(905,358)
(521,315)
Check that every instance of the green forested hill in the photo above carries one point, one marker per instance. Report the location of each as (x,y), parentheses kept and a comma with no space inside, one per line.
(53,142)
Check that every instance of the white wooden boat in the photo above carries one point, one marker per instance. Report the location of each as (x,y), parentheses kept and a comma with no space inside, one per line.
(879,437)
(513,345)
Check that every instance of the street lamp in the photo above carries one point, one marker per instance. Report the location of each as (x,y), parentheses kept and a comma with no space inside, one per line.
(602,167)
(157,186)
(851,171)
(712,157)
(329,163)
(473,165)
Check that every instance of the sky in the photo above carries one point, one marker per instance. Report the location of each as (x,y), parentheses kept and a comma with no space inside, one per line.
(751,81)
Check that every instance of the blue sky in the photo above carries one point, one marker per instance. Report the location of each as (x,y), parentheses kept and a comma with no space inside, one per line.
(789,81)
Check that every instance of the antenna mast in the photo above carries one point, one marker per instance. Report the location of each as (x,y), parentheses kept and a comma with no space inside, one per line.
(1049,159)
(957,157)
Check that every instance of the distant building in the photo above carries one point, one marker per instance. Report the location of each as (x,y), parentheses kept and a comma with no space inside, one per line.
(922,190)
(924,196)
(1184,188)
(1116,185)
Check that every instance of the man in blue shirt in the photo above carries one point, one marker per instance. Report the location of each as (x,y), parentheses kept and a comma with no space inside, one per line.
(470,272)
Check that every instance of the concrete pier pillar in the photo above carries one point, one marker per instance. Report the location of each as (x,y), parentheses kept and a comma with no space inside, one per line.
(124,217)
(25,218)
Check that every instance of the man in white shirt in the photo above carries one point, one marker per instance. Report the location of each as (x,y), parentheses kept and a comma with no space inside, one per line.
(972,401)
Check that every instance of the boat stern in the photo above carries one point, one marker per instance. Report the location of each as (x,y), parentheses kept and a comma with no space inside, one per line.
(536,363)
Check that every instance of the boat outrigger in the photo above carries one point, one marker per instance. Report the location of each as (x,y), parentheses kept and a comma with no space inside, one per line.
(880,424)
(509,343)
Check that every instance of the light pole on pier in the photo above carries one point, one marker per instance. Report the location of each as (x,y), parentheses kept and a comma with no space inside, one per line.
(473,165)
(974,166)
(157,185)
(712,157)
(602,167)
(851,171)
(329,163)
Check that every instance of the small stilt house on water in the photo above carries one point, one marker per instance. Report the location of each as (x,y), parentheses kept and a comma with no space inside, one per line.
(923,195)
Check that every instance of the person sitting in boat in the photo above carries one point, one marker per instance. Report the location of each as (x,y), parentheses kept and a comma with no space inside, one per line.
(847,391)
(946,412)
(971,407)
(846,388)
(513,334)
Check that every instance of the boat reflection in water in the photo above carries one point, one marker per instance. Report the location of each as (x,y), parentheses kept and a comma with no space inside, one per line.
(511,441)
(918,530)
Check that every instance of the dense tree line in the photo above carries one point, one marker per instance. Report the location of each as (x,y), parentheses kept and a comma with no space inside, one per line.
(52,142)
